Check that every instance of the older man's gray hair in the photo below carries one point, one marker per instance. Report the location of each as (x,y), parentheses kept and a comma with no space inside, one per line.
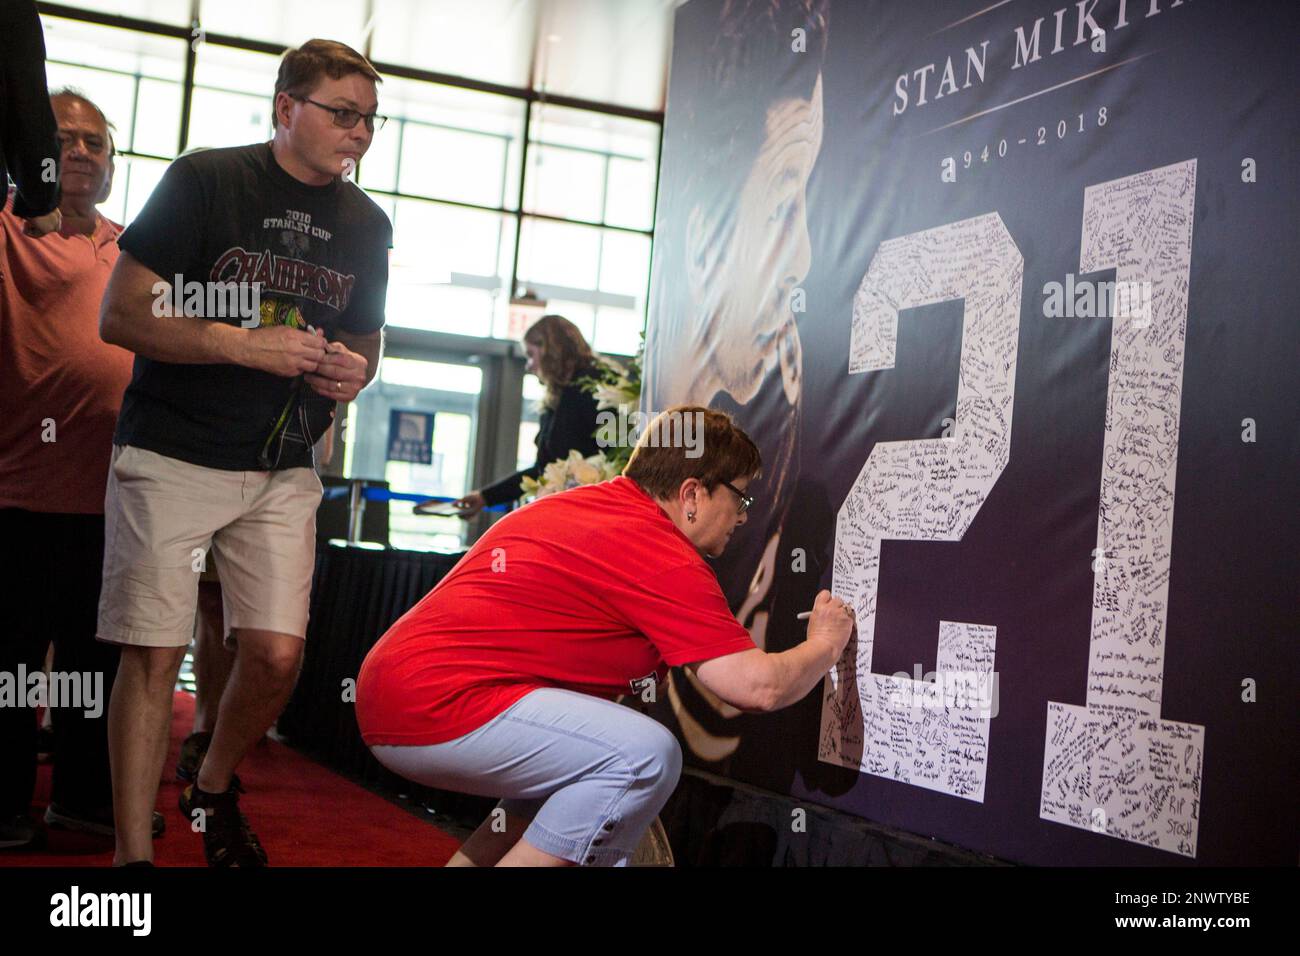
(71,92)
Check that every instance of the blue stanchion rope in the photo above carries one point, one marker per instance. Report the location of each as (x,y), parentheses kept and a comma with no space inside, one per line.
(384,494)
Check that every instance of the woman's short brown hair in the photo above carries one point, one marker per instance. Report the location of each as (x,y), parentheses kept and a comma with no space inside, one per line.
(663,457)
(301,69)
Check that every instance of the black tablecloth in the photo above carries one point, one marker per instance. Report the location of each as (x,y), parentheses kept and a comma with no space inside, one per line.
(356,596)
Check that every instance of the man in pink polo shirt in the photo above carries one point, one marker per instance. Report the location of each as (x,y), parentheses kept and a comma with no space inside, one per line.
(60,389)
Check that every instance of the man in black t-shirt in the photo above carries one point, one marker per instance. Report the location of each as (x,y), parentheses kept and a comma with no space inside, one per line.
(251,288)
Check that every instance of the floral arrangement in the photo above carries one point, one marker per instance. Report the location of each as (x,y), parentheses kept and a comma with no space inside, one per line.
(570,473)
(617,390)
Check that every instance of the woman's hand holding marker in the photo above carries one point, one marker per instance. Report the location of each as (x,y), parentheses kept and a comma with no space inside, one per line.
(831,620)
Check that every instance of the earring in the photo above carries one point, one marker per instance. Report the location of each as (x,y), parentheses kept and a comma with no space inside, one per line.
(690,516)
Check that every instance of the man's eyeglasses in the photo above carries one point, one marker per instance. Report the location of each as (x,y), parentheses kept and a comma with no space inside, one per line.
(746,501)
(348,118)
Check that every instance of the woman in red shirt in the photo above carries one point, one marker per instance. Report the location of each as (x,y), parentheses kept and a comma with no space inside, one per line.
(502,680)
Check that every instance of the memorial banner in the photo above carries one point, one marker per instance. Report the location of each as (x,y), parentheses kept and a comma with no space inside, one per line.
(1007,293)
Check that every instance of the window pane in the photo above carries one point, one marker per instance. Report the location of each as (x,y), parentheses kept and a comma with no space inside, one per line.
(114,207)
(228,119)
(142,176)
(448,267)
(527,455)
(630,197)
(232,97)
(452,164)
(292,22)
(157,128)
(581,314)
(625,263)
(624,273)
(441,308)
(561,263)
(435,239)
(618,331)
(134,179)
(378,168)
(565,182)
(446,477)
(461,145)
(114,93)
(166,11)
(533,391)
(484,40)
(571,182)
(451,392)
(556,253)
(107,65)
(466,379)
(604,51)
(237,71)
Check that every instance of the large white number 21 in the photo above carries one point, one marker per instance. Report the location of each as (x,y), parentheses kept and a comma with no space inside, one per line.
(1112,765)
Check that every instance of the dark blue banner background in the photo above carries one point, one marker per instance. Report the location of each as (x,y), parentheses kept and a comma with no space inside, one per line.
(1207,80)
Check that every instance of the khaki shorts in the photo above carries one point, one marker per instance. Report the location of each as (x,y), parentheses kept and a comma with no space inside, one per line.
(165,520)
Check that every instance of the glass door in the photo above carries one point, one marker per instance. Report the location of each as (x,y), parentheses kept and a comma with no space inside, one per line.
(444,395)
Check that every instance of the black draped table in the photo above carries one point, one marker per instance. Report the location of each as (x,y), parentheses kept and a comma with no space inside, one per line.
(356,595)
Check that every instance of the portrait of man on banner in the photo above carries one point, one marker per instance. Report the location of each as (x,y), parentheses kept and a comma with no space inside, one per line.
(747,112)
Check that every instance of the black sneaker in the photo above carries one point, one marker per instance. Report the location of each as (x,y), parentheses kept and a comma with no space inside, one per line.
(227,838)
(99,822)
(20,833)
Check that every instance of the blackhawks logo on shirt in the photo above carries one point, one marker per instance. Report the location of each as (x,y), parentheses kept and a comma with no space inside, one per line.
(281,312)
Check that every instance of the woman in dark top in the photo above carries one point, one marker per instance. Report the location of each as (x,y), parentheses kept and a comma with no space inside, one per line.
(558,355)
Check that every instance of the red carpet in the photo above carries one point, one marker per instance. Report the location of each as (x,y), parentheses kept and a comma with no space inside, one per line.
(304,815)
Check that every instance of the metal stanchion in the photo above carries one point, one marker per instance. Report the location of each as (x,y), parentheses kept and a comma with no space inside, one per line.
(356,509)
